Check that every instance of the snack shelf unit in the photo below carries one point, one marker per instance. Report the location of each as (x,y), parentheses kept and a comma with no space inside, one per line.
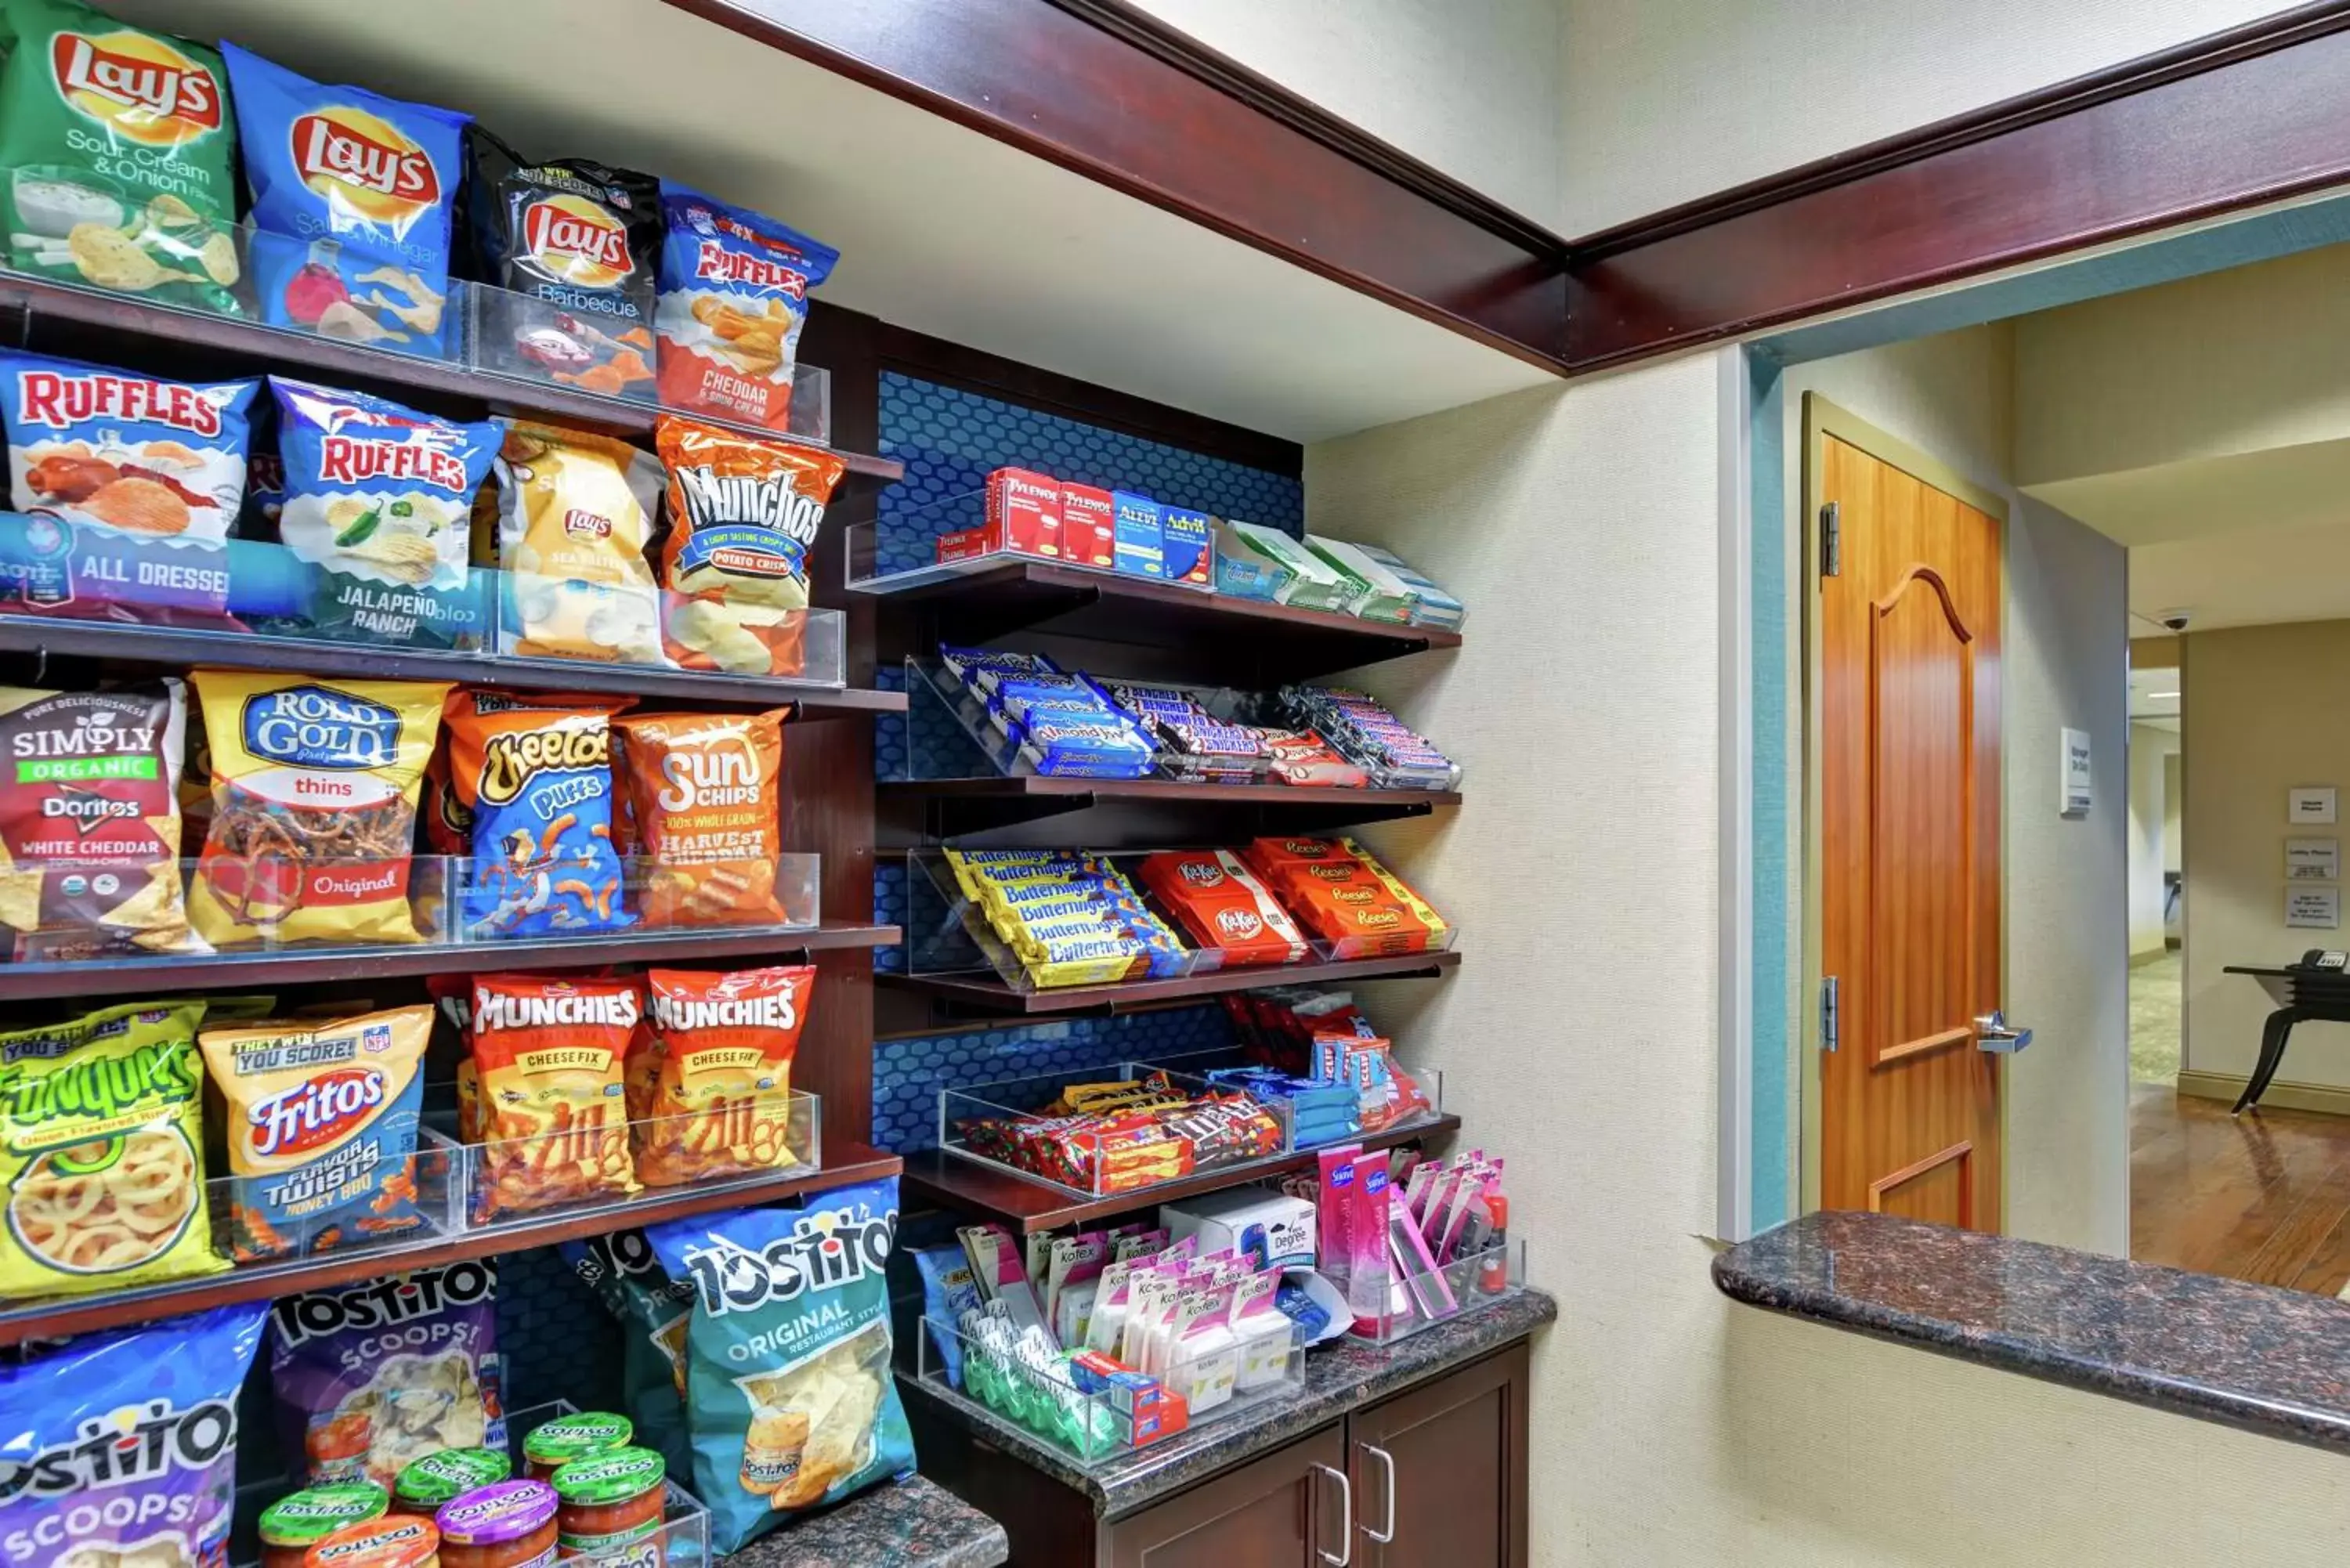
(988,993)
(993,811)
(843,1160)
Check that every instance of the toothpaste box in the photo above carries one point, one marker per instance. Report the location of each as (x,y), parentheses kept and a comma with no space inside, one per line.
(1255,562)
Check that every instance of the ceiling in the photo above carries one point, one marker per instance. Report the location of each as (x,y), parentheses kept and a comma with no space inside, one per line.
(2154,697)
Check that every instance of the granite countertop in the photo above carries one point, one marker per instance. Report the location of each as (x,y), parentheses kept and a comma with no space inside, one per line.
(1338,1378)
(911,1523)
(2253,1357)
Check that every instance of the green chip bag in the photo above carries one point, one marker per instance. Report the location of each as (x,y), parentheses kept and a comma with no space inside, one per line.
(653,1309)
(117,149)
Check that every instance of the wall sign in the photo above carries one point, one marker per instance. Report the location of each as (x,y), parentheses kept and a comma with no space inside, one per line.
(2312,804)
(2076,794)
(2312,859)
(2318,908)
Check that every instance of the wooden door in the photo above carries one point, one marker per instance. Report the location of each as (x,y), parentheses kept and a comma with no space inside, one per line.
(1907,706)
(1440,1470)
(1277,1511)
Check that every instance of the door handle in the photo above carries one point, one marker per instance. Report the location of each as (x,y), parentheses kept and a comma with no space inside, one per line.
(1346,1512)
(1387,1462)
(1993,1033)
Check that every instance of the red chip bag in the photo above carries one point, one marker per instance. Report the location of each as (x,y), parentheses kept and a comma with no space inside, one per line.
(548,1053)
(711,1081)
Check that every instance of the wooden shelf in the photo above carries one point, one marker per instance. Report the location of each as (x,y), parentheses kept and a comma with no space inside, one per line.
(1135,812)
(843,1161)
(165,975)
(989,994)
(340,361)
(952,1182)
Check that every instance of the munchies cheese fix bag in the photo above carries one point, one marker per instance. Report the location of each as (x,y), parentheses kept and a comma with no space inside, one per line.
(710,1083)
(548,1052)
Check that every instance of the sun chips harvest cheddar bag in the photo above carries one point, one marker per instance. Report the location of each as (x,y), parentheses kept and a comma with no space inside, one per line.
(119,1449)
(788,1383)
(705,792)
(548,1052)
(100,1129)
(115,147)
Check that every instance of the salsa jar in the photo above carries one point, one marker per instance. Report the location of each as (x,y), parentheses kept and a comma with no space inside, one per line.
(395,1540)
(614,1500)
(336,1450)
(425,1484)
(507,1524)
(298,1520)
(580,1435)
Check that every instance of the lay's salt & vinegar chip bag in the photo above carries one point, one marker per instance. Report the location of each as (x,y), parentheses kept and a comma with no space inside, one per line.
(116,156)
(353,199)
(100,1129)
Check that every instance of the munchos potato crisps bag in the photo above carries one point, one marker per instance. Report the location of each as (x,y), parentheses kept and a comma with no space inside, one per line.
(705,793)
(743,515)
(534,776)
(548,1052)
(712,1095)
(575,514)
(734,297)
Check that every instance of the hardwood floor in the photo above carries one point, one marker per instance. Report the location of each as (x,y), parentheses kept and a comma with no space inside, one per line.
(2265,1197)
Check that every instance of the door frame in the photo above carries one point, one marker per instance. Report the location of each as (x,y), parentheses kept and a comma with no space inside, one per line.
(1822,419)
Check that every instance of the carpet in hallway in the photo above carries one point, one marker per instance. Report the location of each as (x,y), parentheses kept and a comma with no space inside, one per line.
(2156,1010)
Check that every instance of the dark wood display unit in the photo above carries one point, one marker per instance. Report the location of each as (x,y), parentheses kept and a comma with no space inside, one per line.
(987,994)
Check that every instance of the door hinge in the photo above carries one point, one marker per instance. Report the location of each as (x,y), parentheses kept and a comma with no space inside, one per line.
(1831,541)
(1828,1019)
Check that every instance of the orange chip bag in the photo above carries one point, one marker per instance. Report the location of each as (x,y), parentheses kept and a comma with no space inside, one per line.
(548,1052)
(743,515)
(705,795)
(715,1072)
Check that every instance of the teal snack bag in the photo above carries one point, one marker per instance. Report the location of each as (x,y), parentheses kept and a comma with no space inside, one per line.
(653,1311)
(789,1391)
(117,152)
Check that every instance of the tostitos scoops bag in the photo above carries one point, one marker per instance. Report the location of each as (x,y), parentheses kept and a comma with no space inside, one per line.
(788,1389)
(119,1449)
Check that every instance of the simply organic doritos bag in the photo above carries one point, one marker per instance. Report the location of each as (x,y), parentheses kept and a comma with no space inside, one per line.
(100,1152)
(533,775)
(788,1385)
(712,1095)
(575,514)
(548,1052)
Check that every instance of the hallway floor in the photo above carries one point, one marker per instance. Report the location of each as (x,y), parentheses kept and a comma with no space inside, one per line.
(2157,1005)
(2264,1197)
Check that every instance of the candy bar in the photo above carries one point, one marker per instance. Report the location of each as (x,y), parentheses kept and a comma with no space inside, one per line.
(1306,759)
(1222,905)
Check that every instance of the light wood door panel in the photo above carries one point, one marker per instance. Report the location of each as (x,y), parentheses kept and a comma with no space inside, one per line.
(1908,706)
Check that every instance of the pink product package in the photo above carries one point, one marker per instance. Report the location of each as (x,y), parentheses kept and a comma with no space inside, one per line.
(1366,1242)
(1334,1220)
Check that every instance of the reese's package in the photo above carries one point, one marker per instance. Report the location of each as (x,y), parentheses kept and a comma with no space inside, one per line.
(102,1153)
(352,199)
(159,1495)
(116,156)
(379,502)
(370,1378)
(533,775)
(789,1390)
(575,514)
(743,515)
(321,1127)
(734,297)
(89,820)
(548,1052)
(704,793)
(314,805)
(652,1311)
(712,1095)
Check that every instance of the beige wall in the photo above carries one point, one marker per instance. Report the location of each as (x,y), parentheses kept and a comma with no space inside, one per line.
(2268,708)
(2150,751)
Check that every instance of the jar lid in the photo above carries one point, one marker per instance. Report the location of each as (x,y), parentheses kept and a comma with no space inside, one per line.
(402,1540)
(450,1474)
(315,1512)
(504,1511)
(616,1476)
(568,1438)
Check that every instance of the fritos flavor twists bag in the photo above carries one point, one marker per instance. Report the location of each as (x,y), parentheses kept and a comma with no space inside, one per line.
(743,515)
(575,514)
(549,1054)
(705,791)
(535,775)
(720,1100)
(314,807)
(734,297)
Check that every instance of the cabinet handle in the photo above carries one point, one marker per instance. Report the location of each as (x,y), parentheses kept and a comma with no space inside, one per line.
(1346,1509)
(1387,1462)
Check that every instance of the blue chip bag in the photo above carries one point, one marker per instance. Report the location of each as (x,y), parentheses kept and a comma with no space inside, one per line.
(378,503)
(122,1446)
(537,774)
(353,196)
(653,1309)
(790,1388)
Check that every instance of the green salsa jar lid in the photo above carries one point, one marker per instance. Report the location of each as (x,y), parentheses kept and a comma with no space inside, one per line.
(315,1512)
(450,1474)
(609,1477)
(576,1437)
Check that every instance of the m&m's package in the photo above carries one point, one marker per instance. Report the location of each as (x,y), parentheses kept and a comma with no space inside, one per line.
(353,196)
(732,299)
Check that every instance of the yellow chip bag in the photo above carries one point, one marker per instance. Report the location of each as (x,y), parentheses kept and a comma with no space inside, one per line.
(575,512)
(314,805)
(99,1152)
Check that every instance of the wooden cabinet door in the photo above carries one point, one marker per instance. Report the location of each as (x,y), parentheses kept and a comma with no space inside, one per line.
(1277,1511)
(1440,1470)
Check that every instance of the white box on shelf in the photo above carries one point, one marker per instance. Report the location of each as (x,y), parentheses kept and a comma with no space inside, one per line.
(1271,1230)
